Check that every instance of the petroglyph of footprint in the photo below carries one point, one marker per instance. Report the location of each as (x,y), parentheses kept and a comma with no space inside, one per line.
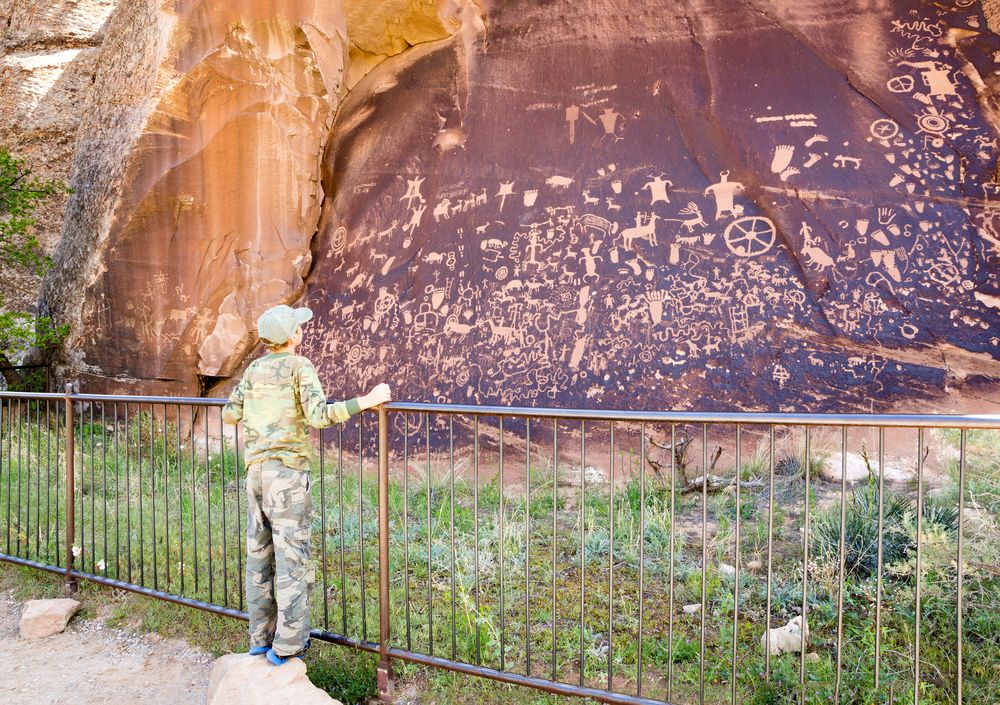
(782,158)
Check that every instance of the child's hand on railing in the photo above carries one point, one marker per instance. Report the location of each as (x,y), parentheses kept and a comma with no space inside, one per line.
(379,394)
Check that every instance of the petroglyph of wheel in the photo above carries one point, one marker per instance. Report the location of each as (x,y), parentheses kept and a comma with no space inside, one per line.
(750,236)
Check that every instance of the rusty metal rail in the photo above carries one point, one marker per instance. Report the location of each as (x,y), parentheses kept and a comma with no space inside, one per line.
(520,537)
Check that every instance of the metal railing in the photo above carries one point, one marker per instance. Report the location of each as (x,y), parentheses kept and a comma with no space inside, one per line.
(545,547)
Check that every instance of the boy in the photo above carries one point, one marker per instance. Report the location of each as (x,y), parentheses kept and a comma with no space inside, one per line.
(279,397)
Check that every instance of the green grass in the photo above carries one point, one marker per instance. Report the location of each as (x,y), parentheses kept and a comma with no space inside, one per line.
(188,486)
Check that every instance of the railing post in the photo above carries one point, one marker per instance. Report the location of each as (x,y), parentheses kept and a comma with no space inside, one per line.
(384,664)
(70,585)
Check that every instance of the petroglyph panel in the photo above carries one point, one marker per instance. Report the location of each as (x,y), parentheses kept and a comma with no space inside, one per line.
(763,205)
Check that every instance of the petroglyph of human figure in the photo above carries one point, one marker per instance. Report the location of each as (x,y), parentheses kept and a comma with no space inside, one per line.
(724,192)
(936,76)
(415,218)
(657,188)
(413,191)
(609,121)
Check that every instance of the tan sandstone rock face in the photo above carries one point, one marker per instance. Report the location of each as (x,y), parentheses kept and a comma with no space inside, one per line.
(220,193)
(48,54)
(241,679)
(42,618)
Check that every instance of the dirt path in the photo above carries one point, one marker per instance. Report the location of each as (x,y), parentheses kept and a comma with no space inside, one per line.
(91,664)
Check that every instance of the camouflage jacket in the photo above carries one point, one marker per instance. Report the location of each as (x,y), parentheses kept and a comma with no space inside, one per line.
(278,399)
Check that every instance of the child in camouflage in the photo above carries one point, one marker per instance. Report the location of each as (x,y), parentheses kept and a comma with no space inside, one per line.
(279,397)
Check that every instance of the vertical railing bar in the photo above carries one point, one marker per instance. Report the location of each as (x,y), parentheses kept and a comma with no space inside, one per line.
(611,556)
(878,579)
(8,419)
(430,585)
(194,504)
(527,546)
(38,479)
(118,508)
(138,453)
(503,616)
(70,582)
(24,472)
(406,527)
(841,561)
(104,468)
(180,502)
(770,546)
(960,567)
(59,483)
(361,526)
(20,476)
(48,480)
(475,528)
(322,522)
(385,666)
(555,484)
(642,553)
(208,513)
(128,503)
(670,579)
(704,559)
(805,569)
(736,566)
(152,485)
(240,472)
(340,518)
(917,606)
(222,492)
(166,497)
(451,532)
(583,539)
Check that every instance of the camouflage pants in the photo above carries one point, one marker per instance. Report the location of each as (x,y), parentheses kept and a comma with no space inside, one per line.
(279,570)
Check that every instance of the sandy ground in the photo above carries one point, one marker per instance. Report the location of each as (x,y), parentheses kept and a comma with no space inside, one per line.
(91,664)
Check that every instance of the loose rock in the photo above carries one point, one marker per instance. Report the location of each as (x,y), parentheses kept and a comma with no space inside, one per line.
(241,679)
(786,639)
(692,609)
(857,470)
(42,618)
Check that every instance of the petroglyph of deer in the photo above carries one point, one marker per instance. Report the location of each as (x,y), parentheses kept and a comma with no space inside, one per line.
(694,221)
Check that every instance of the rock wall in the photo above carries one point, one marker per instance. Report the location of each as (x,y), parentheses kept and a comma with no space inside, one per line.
(705,204)
(48,56)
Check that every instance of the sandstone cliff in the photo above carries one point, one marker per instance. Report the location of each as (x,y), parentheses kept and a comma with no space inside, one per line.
(704,204)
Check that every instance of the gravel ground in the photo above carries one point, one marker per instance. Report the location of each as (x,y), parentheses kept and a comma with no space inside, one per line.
(92,664)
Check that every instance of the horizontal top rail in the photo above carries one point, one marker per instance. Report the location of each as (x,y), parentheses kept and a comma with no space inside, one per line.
(767,418)
(729,417)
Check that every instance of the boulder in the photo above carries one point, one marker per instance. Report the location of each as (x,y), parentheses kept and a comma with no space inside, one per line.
(786,639)
(241,679)
(42,618)
(857,471)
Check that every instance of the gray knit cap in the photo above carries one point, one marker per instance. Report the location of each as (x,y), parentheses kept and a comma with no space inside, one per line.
(277,324)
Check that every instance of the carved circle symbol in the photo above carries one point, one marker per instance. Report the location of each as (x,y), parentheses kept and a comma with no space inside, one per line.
(900,84)
(339,240)
(750,236)
(935,124)
(502,273)
(884,129)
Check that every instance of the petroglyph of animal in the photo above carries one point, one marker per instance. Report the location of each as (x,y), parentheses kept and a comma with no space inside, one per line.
(641,231)
(694,221)
(442,210)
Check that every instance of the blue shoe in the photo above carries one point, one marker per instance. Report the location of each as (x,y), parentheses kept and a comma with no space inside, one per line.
(278,660)
(258,650)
